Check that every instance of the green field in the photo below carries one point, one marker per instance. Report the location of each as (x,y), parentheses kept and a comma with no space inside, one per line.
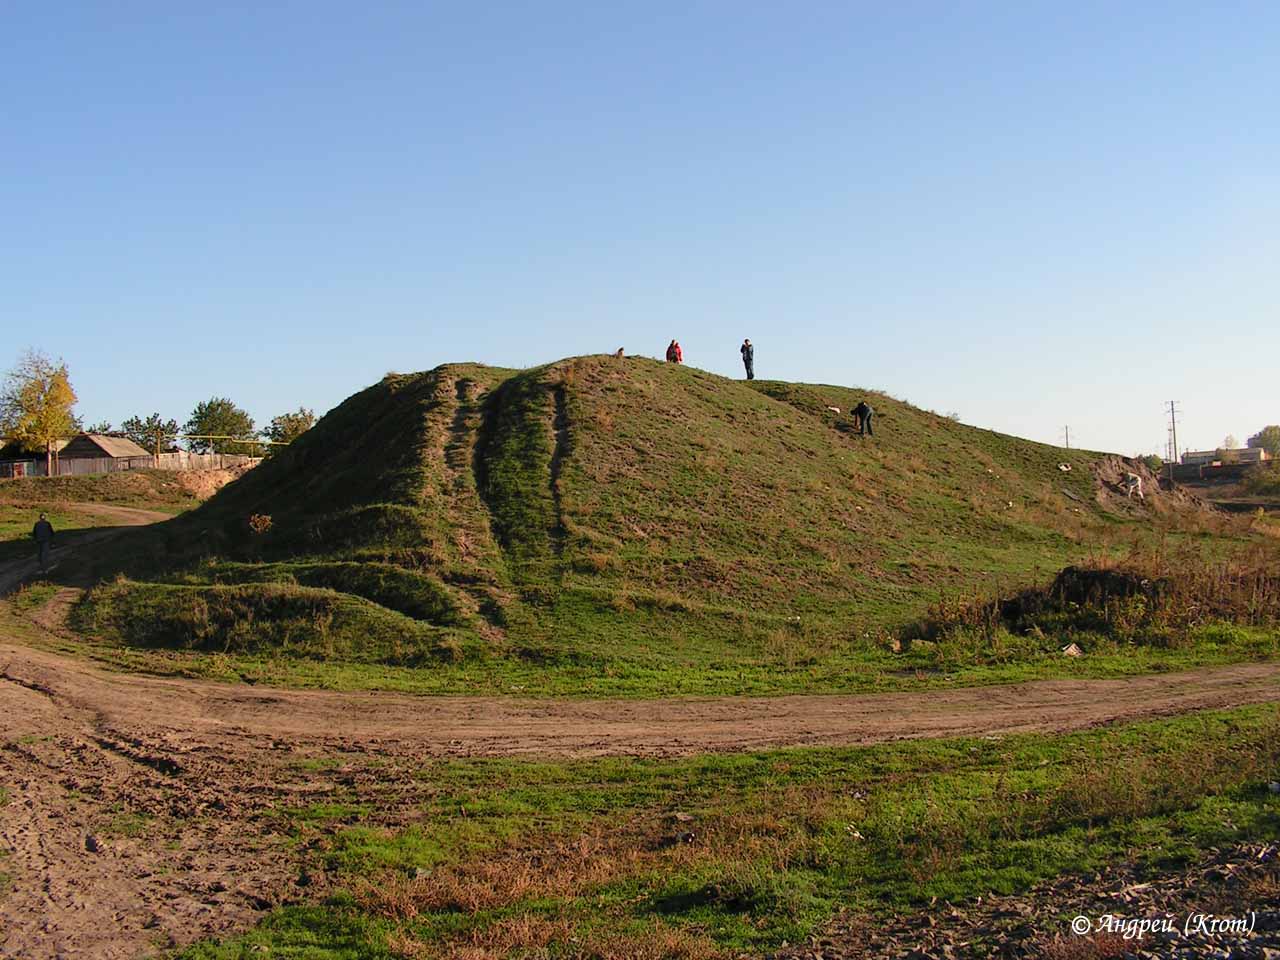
(591,859)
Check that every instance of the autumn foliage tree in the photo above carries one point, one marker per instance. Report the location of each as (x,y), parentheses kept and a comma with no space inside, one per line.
(36,404)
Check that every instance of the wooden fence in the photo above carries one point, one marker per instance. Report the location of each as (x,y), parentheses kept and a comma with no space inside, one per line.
(167,461)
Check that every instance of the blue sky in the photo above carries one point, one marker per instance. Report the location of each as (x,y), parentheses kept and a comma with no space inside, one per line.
(1032,214)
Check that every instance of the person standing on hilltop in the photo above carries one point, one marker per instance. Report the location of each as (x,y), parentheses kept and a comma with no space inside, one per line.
(863,414)
(42,534)
(749,359)
(674,353)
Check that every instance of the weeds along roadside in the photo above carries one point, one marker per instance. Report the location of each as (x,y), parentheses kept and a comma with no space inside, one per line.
(1154,597)
(713,856)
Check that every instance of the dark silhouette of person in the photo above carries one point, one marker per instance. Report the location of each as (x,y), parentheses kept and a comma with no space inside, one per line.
(42,534)
(863,414)
(749,359)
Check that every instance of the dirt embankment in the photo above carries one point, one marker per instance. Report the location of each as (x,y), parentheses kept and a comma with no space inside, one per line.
(203,484)
(1157,494)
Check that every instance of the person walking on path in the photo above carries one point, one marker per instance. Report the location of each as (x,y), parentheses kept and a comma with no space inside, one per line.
(863,414)
(42,533)
(749,359)
(674,353)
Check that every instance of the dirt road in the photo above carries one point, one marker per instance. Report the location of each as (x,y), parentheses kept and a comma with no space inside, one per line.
(65,543)
(188,715)
(142,811)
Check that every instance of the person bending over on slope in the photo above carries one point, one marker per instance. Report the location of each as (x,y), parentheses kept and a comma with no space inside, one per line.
(749,359)
(863,414)
(42,534)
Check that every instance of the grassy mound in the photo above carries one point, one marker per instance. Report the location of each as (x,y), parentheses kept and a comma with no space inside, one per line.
(287,620)
(628,517)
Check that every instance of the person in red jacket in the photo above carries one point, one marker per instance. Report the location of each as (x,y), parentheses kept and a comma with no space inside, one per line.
(674,353)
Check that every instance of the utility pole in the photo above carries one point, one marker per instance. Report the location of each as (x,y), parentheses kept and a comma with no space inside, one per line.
(1173,425)
(1066,437)
(1173,435)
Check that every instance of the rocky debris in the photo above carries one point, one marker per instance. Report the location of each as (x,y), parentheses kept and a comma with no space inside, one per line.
(1225,907)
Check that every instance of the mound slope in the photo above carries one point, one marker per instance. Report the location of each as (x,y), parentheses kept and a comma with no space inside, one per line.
(597,510)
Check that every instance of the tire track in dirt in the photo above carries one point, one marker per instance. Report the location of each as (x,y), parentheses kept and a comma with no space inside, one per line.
(208,713)
(180,784)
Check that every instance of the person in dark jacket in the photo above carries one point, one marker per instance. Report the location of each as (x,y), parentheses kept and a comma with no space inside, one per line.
(749,359)
(863,414)
(42,534)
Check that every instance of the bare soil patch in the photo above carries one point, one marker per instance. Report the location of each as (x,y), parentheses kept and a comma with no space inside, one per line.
(1239,882)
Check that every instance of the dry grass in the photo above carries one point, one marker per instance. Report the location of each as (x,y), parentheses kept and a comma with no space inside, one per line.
(1100,946)
(1152,596)
(508,878)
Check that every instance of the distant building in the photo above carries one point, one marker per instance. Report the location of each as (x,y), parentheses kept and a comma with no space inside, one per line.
(95,446)
(1207,458)
(1198,458)
(94,453)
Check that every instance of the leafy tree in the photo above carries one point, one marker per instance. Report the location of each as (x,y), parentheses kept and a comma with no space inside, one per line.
(36,404)
(1268,439)
(1229,442)
(287,427)
(1154,462)
(102,428)
(144,432)
(219,417)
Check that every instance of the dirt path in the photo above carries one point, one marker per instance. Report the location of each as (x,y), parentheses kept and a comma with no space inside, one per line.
(143,812)
(14,572)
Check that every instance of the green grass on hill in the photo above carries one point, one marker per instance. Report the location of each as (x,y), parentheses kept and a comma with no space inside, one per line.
(710,857)
(620,526)
(147,489)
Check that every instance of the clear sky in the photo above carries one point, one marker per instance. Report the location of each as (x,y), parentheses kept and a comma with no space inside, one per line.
(1033,214)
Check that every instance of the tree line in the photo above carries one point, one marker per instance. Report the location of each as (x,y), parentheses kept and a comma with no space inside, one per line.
(37,409)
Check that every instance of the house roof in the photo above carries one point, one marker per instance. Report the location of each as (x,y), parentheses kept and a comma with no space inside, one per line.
(115,446)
